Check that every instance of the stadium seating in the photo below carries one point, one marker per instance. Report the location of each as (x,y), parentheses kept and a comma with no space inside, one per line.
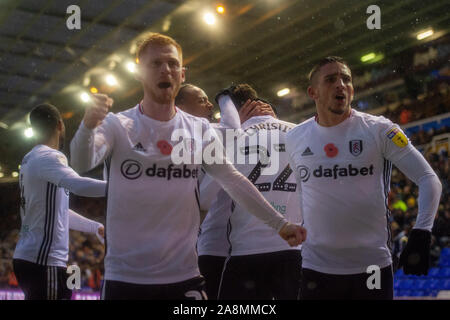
(438,279)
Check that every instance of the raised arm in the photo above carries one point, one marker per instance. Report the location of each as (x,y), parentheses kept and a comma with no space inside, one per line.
(94,138)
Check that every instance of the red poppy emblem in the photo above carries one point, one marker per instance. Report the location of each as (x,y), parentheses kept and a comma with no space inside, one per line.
(164,147)
(331,150)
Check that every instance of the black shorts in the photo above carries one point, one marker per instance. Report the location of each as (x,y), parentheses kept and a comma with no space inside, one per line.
(40,282)
(322,286)
(266,276)
(211,268)
(192,289)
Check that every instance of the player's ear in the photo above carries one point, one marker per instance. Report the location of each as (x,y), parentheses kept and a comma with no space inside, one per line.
(312,92)
(60,125)
(352,94)
(183,74)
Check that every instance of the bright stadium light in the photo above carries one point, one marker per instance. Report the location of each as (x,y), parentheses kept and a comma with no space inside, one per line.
(425,34)
(111,80)
(209,18)
(372,57)
(14,174)
(28,132)
(85,97)
(368,57)
(283,92)
(131,66)
(93,90)
(220,9)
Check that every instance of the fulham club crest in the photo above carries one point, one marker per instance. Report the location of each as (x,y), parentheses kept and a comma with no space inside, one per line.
(356,147)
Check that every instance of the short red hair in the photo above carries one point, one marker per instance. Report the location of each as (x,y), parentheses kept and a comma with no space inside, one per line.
(157,39)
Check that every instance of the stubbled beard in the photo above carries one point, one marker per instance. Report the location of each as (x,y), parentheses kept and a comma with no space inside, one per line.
(338,111)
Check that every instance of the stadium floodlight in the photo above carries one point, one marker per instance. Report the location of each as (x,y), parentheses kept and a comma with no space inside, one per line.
(111,80)
(28,132)
(209,18)
(368,57)
(131,66)
(372,57)
(425,34)
(85,97)
(283,92)
(14,174)
(220,9)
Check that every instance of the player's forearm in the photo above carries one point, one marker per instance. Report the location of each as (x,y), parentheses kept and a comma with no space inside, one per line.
(245,194)
(84,186)
(82,149)
(80,223)
(430,189)
(416,168)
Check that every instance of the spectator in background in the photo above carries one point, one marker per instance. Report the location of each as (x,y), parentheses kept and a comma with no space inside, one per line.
(399,242)
(441,229)
(435,252)
(405,116)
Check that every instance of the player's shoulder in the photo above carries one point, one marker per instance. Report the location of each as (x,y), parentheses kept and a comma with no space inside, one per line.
(288,124)
(193,119)
(122,119)
(42,154)
(130,114)
(373,122)
(301,128)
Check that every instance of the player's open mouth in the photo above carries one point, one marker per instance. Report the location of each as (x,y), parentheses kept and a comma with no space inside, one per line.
(164,85)
(340,97)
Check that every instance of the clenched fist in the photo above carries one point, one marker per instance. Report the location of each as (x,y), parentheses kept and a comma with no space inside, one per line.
(293,234)
(97,110)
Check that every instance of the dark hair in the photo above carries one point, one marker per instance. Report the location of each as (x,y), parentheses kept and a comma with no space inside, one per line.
(322,62)
(44,119)
(243,92)
(182,92)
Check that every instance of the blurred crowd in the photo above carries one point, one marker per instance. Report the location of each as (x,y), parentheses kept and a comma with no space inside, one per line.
(433,102)
(403,203)
(85,250)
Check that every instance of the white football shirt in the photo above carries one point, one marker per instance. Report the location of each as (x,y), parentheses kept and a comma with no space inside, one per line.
(213,234)
(143,183)
(343,174)
(245,233)
(44,233)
